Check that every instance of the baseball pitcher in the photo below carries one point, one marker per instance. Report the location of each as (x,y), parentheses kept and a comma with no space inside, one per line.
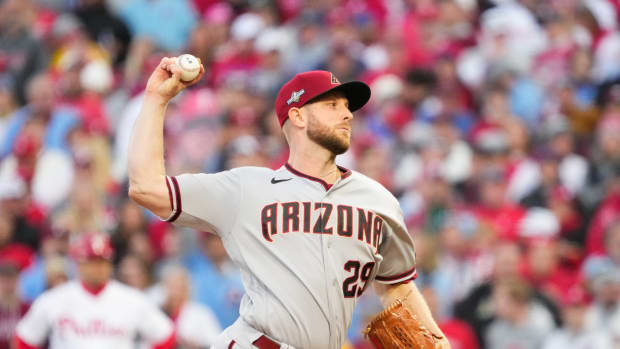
(309,237)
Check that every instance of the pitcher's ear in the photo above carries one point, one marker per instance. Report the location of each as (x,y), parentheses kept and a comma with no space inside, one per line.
(297,117)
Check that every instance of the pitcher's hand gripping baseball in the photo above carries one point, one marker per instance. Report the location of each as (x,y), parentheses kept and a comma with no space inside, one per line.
(166,81)
(396,328)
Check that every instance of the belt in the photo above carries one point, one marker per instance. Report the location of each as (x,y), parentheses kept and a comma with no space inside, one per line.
(261,343)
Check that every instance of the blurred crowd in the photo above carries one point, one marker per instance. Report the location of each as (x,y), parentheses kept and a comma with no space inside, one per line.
(496,123)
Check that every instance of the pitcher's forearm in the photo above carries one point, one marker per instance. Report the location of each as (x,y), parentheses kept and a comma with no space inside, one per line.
(146,156)
(146,149)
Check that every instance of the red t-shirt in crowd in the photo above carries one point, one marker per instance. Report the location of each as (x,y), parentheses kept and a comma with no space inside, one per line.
(459,334)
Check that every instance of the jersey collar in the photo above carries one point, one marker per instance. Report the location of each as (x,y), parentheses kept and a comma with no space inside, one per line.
(344,174)
(95,291)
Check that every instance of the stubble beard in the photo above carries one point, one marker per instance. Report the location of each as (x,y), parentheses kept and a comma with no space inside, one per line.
(326,137)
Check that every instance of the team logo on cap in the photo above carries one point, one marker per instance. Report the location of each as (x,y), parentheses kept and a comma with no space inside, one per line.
(295,96)
(335,79)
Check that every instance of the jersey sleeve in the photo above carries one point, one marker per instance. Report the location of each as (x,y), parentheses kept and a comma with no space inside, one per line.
(396,247)
(206,202)
(34,327)
(154,325)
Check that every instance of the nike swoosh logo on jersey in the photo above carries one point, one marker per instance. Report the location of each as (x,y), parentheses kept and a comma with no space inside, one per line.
(276,181)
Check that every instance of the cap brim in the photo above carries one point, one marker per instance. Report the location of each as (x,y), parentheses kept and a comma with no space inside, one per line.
(357,92)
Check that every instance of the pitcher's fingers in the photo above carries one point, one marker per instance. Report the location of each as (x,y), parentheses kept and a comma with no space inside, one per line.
(176,71)
(168,63)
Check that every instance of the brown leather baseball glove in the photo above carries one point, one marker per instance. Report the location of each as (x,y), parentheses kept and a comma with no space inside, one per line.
(396,328)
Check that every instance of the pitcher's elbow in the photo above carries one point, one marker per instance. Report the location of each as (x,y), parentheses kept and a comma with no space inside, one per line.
(135,193)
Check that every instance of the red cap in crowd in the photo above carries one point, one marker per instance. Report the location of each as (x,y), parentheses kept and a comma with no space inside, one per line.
(91,246)
(304,87)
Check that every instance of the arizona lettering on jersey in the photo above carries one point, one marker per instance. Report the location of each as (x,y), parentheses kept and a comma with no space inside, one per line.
(316,218)
(306,250)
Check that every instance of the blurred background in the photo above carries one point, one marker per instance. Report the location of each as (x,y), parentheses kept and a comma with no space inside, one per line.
(495,123)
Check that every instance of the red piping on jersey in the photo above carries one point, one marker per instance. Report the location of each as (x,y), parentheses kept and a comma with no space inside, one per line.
(345,173)
(170,195)
(177,194)
(95,291)
(232,344)
(396,277)
(168,343)
(21,344)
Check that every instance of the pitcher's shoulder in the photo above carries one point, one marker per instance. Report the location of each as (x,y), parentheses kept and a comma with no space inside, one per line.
(375,187)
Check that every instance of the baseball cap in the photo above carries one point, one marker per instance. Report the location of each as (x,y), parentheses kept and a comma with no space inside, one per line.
(304,87)
(91,246)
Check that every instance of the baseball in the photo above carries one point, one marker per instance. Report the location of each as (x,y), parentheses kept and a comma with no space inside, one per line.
(190,67)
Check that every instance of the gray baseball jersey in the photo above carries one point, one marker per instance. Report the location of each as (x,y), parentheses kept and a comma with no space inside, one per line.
(307,250)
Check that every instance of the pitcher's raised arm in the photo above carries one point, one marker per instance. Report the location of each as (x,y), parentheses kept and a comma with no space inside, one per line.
(147,173)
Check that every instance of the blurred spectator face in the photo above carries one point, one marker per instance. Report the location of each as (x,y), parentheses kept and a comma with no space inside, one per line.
(83,196)
(436,191)
(372,162)
(581,65)
(271,60)
(7,102)
(55,272)
(95,271)
(446,71)
(341,63)
(70,84)
(199,41)
(517,135)
(8,281)
(13,14)
(131,218)
(542,258)
(574,316)
(507,260)
(309,34)
(6,228)
(607,288)
(418,85)
(40,94)
(133,271)
(495,106)
(492,192)
(609,141)
(612,243)
(176,284)
(54,245)
(511,298)
(14,206)
(452,241)
(140,245)
(549,170)
(562,144)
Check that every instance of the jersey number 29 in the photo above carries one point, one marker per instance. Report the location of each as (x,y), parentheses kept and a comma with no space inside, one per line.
(352,287)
